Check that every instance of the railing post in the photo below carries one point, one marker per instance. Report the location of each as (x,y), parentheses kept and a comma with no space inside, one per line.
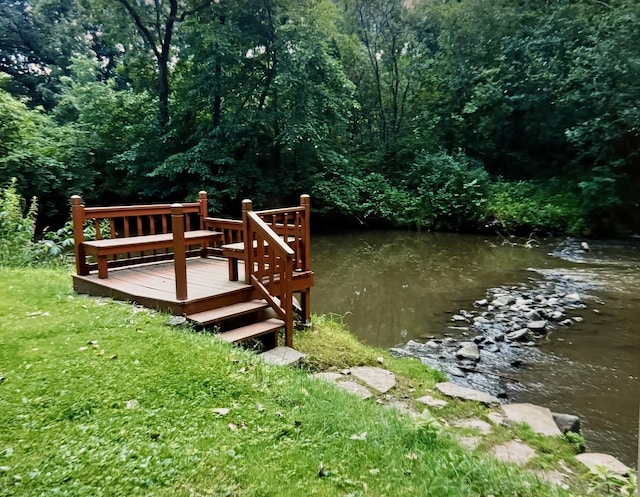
(305,201)
(179,251)
(77,214)
(204,207)
(247,206)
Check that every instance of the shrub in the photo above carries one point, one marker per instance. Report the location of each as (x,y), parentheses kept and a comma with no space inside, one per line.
(17,226)
(548,206)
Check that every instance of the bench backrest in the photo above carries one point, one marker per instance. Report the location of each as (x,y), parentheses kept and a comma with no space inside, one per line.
(130,220)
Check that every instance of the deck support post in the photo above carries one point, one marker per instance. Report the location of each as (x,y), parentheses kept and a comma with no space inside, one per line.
(179,251)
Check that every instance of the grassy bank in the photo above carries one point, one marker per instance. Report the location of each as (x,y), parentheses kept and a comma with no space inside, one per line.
(102,398)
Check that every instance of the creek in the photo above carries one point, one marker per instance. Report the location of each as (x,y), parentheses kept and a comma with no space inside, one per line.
(397,288)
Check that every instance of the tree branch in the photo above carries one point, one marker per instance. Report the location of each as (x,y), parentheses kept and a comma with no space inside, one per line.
(146,34)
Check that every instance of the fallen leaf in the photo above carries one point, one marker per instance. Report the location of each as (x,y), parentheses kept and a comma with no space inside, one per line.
(411,456)
(232,427)
(374,471)
(113,357)
(259,406)
(82,349)
(362,436)
(92,342)
(132,404)
(222,411)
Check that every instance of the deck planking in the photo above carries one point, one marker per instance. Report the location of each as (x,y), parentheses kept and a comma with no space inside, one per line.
(154,284)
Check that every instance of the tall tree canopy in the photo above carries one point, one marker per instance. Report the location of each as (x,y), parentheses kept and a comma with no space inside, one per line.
(420,113)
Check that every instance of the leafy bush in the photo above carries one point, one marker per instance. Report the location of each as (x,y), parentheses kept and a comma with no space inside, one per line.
(18,246)
(451,189)
(16,227)
(548,206)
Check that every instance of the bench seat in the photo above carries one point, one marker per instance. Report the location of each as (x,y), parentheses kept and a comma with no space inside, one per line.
(112,246)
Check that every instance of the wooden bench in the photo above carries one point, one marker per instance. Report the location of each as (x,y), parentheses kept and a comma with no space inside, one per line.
(134,234)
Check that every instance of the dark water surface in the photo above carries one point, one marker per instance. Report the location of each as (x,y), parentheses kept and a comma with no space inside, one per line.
(395,286)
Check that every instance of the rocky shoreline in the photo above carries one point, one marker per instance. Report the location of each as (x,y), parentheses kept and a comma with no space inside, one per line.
(486,345)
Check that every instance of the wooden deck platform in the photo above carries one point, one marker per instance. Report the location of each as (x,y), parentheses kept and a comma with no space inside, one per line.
(145,254)
(153,285)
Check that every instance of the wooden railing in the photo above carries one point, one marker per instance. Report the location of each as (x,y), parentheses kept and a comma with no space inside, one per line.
(269,267)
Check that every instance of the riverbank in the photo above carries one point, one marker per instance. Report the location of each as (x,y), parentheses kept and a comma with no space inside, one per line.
(102,398)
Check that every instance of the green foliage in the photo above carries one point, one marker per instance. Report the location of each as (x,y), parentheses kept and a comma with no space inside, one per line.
(17,226)
(604,483)
(549,206)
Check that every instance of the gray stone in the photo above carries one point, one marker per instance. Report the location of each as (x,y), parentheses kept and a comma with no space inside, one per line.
(458,318)
(566,422)
(481,302)
(282,356)
(328,376)
(432,344)
(514,452)
(593,459)
(566,322)
(455,371)
(497,419)
(378,378)
(475,424)
(578,319)
(556,315)
(553,477)
(469,351)
(453,390)
(537,325)
(538,418)
(432,401)
(572,298)
(177,320)
(518,334)
(355,388)
(532,314)
(469,443)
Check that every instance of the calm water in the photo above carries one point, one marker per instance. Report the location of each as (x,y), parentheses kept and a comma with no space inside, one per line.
(394,286)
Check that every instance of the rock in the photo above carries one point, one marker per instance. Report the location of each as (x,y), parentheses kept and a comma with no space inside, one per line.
(481,302)
(514,452)
(458,318)
(282,356)
(502,300)
(328,376)
(453,390)
(566,422)
(355,388)
(538,418)
(478,339)
(578,319)
(537,325)
(469,443)
(455,371)
(177,320)
(572,298)
(556,315)
(377,378)
(566,322)
(497,419)
(518,334)
(432,401)
(611,464)
(475,424)
(469,351)
(553,477)
(532,314)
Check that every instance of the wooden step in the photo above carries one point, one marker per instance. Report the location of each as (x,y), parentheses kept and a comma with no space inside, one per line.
(228,312)
(252,330)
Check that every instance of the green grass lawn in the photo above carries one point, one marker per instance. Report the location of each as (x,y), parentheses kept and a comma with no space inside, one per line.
(102,398)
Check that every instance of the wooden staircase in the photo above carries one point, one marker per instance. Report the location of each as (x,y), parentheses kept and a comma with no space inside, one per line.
(240,321)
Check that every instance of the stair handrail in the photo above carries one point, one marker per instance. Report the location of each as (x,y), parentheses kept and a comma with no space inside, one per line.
(269,268)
